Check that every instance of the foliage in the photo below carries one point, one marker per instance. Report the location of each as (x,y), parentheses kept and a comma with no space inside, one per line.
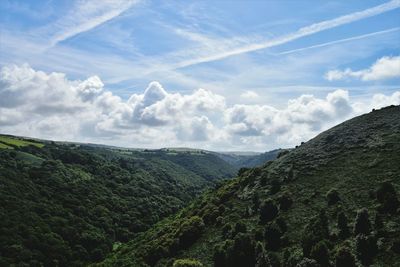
(387,197)
(332,196)
(366,248)
(187,263)
(320,253)
(362,224)
(268,211)
(344,258)
(69,203)
(343,226)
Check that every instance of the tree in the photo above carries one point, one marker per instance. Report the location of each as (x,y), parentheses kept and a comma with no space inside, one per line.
(344,231)
(190,231)
(315,231)
(268,211)
(366,248)
(344,258)
(272,236)
(285,202)
(275,186)
(362,224)
(332,196)
(378,224)
(387,197)
(320,253)
(243,251)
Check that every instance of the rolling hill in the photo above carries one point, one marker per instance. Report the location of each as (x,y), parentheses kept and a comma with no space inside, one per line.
(332,201)
(67,204)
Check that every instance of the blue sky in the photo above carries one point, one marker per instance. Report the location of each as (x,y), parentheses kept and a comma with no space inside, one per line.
(259,53)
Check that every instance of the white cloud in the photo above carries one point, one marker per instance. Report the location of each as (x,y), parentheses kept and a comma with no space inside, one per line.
(48,105)
(383,68)
(84,16)
(225,49)
(249,95)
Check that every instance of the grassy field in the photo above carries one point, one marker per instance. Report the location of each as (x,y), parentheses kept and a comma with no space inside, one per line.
(8,142)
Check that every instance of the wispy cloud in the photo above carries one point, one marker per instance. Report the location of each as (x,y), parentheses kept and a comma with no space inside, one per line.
(302,32)
(340,41)
(85,16)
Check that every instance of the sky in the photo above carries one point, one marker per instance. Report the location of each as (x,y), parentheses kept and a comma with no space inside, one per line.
(218,75)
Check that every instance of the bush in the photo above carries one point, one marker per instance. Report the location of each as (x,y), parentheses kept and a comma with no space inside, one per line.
(243,251)
(344,258)
(240,227)
(315,231)
(275,186)
(362,224)
(187,263)
(236,253)
(342,224)
(378,224)
(332,196)
(285,202)
(221,253)
(190,231)
(366,249)
(320,253)
(268,211)
(272,236)
(386,195)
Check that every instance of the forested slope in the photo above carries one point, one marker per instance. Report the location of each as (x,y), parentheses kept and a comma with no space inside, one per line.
(333,201)
(69,204)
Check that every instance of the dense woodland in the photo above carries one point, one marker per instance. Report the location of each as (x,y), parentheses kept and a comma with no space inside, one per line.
(69,204)
(332,201)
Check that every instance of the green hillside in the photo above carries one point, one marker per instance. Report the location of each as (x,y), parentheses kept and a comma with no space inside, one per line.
(333,201)
(69,204)
(247,161)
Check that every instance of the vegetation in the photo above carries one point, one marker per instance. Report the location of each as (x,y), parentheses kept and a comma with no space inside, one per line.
(70,204)
(297,223)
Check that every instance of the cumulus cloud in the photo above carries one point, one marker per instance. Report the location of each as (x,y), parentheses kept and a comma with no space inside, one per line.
(49,105)
(383,68)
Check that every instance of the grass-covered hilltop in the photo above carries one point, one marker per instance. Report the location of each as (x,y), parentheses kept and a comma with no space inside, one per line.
(332,201)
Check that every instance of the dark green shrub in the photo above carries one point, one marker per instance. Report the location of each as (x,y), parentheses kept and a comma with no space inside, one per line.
(362,224)
(275,186)
(387,197)
(320,253)
(285,202)
(343,227)
(332,197)
(243,251)
(282,224)
(344,258)
(240,227)
(227,230)
(366,249)
(256,201)
(396,246)
(378,224)
(222,254)
(272,235)
(268,211)
(190,231)
(315,231)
